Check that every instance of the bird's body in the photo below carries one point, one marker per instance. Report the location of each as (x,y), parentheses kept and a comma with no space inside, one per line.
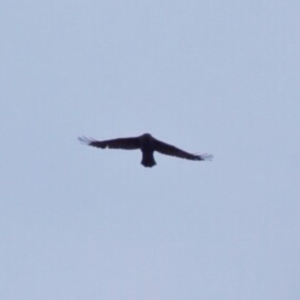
(147,144)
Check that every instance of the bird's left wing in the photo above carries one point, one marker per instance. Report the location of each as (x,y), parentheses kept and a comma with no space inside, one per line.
(167,149)
(121,143)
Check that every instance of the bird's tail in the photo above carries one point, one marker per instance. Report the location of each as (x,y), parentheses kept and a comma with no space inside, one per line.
(148,160)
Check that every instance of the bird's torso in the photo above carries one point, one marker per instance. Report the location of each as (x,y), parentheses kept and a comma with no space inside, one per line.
(147,142)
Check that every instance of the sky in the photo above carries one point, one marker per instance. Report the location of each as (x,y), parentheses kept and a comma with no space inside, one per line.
(219,77)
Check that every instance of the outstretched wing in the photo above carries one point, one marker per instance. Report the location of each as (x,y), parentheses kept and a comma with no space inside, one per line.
(121,143)
(167,149)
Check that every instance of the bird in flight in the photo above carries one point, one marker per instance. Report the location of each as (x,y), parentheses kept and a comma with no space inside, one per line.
(147,144)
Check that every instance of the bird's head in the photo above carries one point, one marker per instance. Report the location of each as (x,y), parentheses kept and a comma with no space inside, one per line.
(148,135)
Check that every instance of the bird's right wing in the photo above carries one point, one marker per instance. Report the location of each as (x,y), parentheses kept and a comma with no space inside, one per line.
(168,149)
(121,143)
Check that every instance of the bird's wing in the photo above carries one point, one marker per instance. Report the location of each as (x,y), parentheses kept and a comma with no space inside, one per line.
(167,149)
(121,143)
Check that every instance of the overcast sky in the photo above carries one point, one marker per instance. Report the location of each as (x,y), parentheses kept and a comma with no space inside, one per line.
(212,76)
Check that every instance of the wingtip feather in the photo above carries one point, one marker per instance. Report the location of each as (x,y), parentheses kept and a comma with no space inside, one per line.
(83,139)
(207,156)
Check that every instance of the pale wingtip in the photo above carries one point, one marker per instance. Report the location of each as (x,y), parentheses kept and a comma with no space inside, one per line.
(84,140)
(206,156)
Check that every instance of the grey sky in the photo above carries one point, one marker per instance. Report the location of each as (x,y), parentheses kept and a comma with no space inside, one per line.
(207,76)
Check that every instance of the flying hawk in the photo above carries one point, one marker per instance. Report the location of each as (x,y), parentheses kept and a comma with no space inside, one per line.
(148,144)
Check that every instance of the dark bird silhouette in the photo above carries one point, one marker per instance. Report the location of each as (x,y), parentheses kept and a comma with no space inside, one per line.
(148,144)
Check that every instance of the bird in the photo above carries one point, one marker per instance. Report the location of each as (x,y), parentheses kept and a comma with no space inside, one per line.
(147,144)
